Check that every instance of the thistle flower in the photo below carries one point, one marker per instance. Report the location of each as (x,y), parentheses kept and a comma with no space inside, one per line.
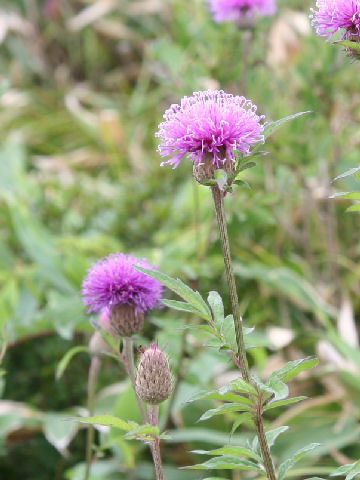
(153,380)
(208,127)
(112,285)
(232,10)
(334,15)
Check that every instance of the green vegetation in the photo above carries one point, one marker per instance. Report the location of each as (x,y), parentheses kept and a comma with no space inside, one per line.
(82,94)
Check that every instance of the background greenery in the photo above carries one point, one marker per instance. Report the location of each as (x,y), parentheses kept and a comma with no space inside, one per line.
(83,92)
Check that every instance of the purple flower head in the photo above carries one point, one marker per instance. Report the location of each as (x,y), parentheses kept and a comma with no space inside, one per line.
(212,122)
(113,281)
(333,15)
(232,10)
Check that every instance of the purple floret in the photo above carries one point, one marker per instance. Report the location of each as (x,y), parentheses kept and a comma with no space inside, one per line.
(232,10)
(212,122)
(329,16)
(113,281)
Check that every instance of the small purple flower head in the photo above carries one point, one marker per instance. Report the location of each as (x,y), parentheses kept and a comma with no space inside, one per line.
(209,125)
(113,281)
(333,15)
(232,10)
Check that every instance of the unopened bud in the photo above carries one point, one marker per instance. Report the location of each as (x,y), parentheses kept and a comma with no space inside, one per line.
(124,321)
(97,344)
(153,381)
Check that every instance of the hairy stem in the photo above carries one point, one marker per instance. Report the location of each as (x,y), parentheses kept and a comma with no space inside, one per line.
(153,411)
(221,219)
(128,354)
(241,359)
(264,446)
(92,383)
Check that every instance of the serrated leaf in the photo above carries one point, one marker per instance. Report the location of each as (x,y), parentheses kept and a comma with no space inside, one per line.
(66,359)
(108,421)
(226,463)
(227,408)
(181,289)
(290,462)
(282,403)
(217,308)
(293,368)
(348,173)
(182,306)
(230,450)
(271,127)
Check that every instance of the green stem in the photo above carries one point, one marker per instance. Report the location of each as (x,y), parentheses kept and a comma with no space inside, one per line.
(128,353)
(153,411)
(92,383)
(218,198)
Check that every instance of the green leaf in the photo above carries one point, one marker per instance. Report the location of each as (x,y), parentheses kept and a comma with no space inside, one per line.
(274,386)
(226,463)
(64,362)
(227,408)
(228,332)
(354,208)
(221,178)
(290,462)
(348,173)
(348,44)
(108,421)
(351,471)
(179,287)
(347,195)
(293,368)
(143,432)
(58,432)
(271,436)
(243,417)
(233,451)
(239,385)
(217,395)
(282,403)
(271,127)
(245,166)
(217,308)
(181,306)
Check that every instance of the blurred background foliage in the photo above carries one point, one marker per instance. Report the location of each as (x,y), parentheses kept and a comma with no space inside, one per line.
(84,84)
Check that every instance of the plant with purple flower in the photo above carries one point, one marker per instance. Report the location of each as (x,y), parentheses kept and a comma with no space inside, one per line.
(330,16)
(208,127)
(113,284)
(233,10)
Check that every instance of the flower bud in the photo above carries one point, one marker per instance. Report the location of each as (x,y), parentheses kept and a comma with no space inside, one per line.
(97,344)
(125,321)
(153,381)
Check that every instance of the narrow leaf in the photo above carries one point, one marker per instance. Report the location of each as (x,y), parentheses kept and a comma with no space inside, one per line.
(217,307)
(183,307)
(348,173)
(290,462)
(66,359)
(179,287)
(293,368)
(233,451)
(282,403)
(108,421)
(227,408)
(270,128)
(226,463)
